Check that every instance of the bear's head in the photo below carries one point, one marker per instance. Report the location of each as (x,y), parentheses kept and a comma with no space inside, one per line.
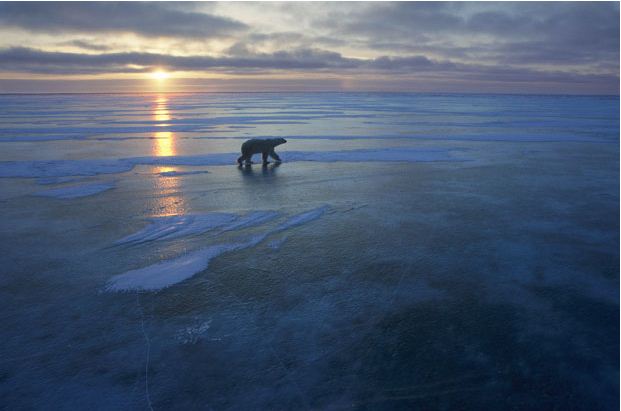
(280,141)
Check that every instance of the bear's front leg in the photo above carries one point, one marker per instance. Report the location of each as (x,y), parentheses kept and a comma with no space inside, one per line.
(275,156)
(265,154)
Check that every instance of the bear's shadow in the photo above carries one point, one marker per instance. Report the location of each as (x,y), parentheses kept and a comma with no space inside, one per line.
(267,170)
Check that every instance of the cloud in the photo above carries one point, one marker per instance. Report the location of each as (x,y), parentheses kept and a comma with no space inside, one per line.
(86,45)
(516,33)
(38,61)
(302,60)
(147,19)
(491,42)
(413,63)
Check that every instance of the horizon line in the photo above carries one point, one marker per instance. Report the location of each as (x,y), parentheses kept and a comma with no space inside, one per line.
(311,92)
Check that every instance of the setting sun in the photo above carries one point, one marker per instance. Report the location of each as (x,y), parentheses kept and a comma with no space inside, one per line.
(160,75)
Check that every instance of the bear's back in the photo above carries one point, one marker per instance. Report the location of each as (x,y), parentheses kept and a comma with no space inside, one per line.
(257,145)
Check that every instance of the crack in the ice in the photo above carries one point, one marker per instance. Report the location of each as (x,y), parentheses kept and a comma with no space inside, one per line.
(292,380)
(148,341)
(288,375)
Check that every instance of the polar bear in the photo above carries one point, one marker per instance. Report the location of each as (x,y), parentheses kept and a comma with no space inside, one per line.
(263,146)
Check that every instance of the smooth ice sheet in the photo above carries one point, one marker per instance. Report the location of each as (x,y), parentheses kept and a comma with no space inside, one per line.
(60,168)
(77,191)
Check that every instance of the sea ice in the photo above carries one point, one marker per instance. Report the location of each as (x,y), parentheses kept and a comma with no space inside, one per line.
(181,173)
(62,168)
(277,243)
(57,180)
(191,335)
(176,226)
(82,190)
(166,273)
(251,219)
(302,218)
(170,272)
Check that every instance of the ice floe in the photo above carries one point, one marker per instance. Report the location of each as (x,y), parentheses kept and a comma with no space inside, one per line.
(82,190)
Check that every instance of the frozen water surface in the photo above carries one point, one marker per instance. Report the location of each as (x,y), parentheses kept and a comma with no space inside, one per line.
(412,251)
(75,191)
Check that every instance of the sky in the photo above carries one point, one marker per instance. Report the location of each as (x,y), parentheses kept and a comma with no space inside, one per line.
(472,47)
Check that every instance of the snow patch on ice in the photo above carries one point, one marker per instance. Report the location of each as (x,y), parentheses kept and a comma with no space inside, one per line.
(191,335)
(77,191)
(170,272)
(302,218)
(170,227)
(166,273)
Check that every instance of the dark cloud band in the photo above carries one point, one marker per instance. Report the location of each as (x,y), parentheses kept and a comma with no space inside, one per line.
(36,61)
(149,19)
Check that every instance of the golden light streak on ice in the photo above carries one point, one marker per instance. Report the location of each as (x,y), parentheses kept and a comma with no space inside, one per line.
(168,196)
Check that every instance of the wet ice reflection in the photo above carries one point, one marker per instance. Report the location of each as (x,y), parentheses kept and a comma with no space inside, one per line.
(168,188)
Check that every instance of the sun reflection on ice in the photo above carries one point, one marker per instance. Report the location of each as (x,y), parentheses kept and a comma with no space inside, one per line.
(169,197)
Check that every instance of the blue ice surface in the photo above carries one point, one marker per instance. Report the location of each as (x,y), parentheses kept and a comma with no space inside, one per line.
(65,168)
(412,251)
(76,191)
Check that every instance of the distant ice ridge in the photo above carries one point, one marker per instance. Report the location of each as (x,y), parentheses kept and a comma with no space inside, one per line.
(63,168)
(82,190)
(171,227)
(167,273)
